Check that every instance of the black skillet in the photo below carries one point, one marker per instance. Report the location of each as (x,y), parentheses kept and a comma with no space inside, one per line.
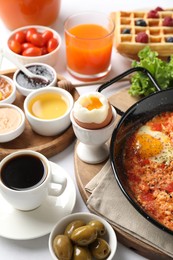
(137,114)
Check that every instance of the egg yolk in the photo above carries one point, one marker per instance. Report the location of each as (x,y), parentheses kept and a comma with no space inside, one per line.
(91,103)
(148,145)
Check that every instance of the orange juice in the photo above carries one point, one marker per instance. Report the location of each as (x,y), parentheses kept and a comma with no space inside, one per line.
(18,13)
(88,49)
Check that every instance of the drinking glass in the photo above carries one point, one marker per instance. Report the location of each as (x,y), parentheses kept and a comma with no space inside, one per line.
(89,40)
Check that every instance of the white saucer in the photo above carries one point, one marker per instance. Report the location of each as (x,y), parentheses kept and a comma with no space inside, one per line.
(22,225)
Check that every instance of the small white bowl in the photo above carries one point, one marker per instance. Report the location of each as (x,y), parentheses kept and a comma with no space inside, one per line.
(24,90)
(49,127)
(16,130)
(11,98)
(50,58)
(59,228)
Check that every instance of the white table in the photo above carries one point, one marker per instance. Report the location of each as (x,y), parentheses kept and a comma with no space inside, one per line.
(37,249)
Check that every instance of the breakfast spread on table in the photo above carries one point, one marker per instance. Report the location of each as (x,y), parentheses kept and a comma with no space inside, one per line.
(146,37)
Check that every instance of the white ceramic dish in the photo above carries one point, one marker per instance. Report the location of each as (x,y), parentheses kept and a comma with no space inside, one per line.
(18,130)
(59,228)
(50,58)
(26,91)
(49,127)
(23,225)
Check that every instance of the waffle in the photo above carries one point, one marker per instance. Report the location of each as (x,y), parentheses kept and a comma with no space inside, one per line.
(158,34)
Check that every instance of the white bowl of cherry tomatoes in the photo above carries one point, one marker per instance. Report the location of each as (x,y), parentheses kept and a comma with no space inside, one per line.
(34,43)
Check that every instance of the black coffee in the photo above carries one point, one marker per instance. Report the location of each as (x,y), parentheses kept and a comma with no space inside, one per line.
(22,172)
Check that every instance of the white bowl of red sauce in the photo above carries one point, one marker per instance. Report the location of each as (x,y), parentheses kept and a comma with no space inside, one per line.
(7,90)
(34,43)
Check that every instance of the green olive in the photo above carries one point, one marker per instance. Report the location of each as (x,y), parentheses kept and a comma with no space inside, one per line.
(81,253)
(100,249)
(84,235)
(62,247)
(72,226)
(99,227)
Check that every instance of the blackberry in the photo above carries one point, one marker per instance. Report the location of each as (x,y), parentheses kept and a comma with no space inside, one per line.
(126,31)
(169,39)
(140,22)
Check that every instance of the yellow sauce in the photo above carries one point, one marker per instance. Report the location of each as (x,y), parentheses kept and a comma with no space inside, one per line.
(48,106)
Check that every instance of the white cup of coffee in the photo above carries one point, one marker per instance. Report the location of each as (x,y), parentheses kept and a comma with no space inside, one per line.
(26,179)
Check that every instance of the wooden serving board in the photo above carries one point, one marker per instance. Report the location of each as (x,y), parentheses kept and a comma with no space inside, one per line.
(85,172)
(48,146)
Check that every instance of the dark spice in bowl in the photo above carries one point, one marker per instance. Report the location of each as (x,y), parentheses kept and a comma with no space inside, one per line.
(31,83)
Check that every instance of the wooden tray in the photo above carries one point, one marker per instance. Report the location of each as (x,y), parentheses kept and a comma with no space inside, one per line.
(85,172)
(48,146)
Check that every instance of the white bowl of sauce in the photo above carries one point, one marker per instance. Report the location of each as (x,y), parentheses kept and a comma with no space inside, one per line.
(7,90)
(48,110)
(26,85)
(12,123)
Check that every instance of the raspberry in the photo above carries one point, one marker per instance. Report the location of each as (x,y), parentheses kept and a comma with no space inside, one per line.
(153,14)
(142,37)
(159,9)
(168,21)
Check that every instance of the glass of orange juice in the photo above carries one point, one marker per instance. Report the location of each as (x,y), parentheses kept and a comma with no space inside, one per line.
(19,13)
(89,40)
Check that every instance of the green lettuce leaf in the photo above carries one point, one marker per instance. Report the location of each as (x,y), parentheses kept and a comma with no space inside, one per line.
(161,70)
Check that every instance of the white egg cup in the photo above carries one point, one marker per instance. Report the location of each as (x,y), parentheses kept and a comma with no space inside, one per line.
(93,147)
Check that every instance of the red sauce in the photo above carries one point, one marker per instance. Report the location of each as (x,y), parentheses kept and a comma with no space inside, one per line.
(151,177)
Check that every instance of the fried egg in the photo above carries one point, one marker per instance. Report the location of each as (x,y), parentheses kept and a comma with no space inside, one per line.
(92,111)
(154,145)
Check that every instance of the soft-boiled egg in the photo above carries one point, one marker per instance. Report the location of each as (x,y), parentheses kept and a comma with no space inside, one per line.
(92,111)
(154,145)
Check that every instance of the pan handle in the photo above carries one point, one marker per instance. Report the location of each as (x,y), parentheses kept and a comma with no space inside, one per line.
(127,72)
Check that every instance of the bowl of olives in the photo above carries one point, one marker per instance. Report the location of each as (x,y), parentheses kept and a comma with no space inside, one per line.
(82,236)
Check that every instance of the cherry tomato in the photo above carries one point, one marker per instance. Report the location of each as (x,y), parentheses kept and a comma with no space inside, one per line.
(46,36)
(33,43)
(26,45)
(20,37)
(15,46)
(29,32)
(32,51)
(36,39)
(52,44)
(44,50)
